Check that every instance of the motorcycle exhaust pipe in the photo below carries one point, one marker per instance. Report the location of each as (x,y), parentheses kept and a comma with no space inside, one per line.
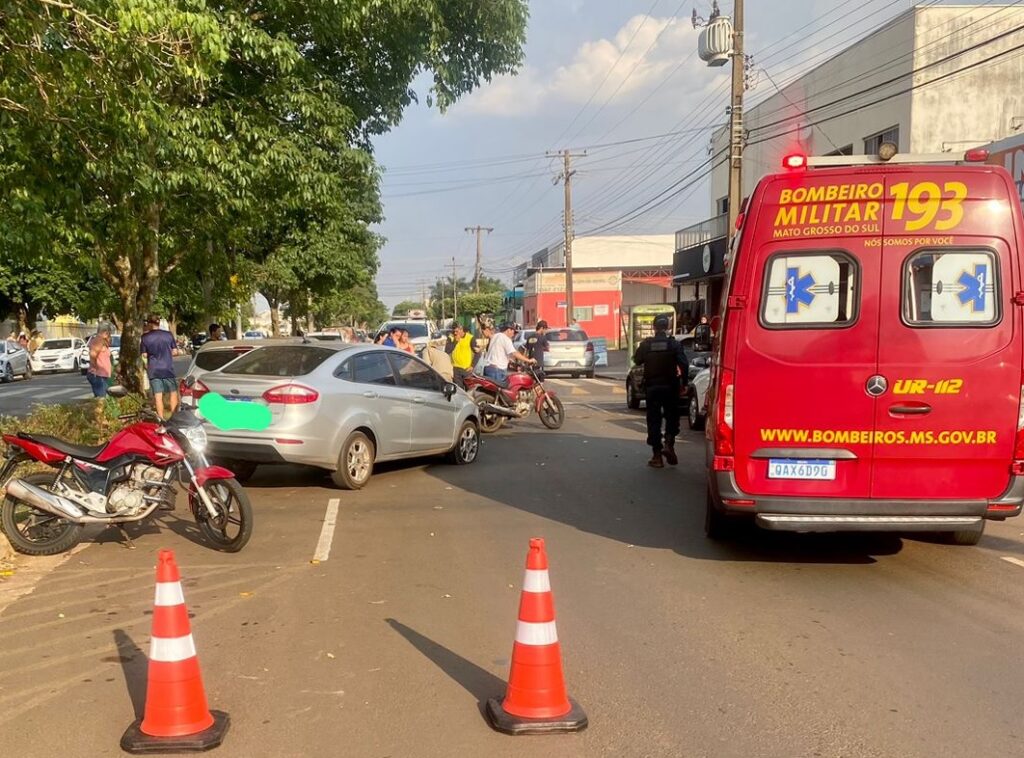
(44,501)
(499,410)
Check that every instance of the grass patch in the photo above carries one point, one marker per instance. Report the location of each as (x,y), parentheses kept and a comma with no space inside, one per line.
(74,422)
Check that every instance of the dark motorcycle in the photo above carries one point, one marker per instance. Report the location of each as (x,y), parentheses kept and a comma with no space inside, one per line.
(519,395)
(124,480)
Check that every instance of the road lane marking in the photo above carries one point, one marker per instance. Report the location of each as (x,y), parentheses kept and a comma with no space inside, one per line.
(323,547)
(55,393)
(1014,561)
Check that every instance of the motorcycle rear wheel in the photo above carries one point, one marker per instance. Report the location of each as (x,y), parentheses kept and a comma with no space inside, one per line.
(35,532)
(489,422)
(231,529)
(553,415)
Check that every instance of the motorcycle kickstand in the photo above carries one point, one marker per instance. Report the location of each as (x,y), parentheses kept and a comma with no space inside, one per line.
(125,539)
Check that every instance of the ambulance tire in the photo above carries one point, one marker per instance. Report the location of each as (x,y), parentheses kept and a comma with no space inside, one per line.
(717,525)
(966,536)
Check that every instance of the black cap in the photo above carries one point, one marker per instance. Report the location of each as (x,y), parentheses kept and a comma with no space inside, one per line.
(506,326)
(661,322)
(542,324)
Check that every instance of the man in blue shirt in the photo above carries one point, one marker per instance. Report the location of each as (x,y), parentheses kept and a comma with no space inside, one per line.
(159,347)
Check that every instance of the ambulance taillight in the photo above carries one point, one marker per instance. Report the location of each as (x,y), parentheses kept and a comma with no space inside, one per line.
(724,447)
(1017,467)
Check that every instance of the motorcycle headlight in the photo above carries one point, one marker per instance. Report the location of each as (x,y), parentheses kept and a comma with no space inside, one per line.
(196,436)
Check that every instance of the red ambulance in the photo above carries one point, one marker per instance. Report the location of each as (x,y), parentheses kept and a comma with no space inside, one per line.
(868,373)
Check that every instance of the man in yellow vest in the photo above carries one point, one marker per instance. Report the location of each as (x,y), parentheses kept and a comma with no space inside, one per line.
(460,347)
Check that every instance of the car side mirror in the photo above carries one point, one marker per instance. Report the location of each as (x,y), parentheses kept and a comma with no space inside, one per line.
(449,390)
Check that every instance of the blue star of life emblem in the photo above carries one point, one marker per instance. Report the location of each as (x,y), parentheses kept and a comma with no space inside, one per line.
(974,287)
(798,289)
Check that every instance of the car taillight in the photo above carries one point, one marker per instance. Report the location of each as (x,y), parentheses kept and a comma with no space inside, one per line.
(1018,442)
(590,347)
(291,394)
(195,392)
(724,413)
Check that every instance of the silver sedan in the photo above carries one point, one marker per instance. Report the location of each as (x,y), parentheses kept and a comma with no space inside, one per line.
(341,407)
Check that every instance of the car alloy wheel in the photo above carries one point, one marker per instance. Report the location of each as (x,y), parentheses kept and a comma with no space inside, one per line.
(359,461)
(469,443)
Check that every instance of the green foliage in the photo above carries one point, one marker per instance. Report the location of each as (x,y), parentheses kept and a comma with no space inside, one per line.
(490,302)
(403,308)
(75,422)
(171,143)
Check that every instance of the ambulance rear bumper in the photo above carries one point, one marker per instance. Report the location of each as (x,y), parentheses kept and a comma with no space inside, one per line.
(807,514)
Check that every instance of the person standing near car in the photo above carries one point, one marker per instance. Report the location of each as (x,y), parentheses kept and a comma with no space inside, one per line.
(500,351)
(216,332)
(100,370)
(159,347)
(537,345)
(662,359)
(461,344)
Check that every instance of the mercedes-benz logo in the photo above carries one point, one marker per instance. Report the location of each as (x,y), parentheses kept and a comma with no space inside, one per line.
(876,385)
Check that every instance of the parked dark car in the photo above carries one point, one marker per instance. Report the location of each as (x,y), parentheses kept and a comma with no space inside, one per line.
(698,361)
(199,339)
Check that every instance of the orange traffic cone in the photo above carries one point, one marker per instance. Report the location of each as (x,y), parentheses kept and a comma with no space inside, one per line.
(177,718)
(536,701)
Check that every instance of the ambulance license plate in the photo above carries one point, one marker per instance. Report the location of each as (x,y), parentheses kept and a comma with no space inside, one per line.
(792,468)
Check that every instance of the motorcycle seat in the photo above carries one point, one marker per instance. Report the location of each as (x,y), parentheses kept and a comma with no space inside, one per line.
(87,452)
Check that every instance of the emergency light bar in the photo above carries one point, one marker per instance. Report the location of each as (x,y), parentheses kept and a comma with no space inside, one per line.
(798,161)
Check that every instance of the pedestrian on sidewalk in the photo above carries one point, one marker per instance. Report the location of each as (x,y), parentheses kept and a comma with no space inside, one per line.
(663,362)
(159,347)
(100,370)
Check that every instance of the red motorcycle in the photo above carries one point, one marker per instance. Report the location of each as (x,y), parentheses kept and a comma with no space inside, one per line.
(521,393)
(122,481)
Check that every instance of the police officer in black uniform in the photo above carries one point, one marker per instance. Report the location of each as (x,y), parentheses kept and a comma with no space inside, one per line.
(663,361)
(537,345)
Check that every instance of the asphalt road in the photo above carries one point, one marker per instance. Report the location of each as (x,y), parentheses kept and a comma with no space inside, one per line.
(779,645)
(18,397)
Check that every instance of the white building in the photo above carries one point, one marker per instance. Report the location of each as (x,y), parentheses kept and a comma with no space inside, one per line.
(935,79)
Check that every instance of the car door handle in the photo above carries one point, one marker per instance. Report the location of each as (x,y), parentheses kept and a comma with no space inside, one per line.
(370,393)
(917,409)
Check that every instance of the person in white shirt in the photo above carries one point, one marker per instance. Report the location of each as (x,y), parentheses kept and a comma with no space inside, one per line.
(500,351)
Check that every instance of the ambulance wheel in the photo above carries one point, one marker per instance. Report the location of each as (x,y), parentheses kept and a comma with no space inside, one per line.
(717,525)
(966,536)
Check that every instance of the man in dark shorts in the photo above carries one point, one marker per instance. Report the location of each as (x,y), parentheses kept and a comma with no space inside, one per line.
(159,347)
(537,345)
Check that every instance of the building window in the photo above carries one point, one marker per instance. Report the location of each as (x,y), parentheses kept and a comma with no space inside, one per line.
(583,313)
(951,288)
(807,290)
(872,143)
(848,150)
(722,205)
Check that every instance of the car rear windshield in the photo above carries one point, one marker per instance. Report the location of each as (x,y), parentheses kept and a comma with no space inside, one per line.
(211,360)
(415,328)
(287,360)
(56,345)
(567,335)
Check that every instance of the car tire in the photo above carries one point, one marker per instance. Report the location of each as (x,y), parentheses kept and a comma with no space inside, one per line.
(467,444)
(694,417)
(575,374)
(8,374)
(590,374)
(28,371)
(966,536)
(76,365)
(355,462)
(632,401)
(717,525)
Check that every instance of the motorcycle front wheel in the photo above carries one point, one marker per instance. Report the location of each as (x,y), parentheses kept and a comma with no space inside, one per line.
(231,528)
(551,412)
(35,532)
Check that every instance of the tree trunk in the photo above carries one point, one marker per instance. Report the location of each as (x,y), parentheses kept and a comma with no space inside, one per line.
(275,317)
(310,325)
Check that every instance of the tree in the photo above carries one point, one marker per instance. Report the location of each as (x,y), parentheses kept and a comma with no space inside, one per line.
(403,308)
(142,132)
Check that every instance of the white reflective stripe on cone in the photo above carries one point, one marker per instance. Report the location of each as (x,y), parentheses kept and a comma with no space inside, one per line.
(169,593)
(172,649)
(529,633)
(536,581)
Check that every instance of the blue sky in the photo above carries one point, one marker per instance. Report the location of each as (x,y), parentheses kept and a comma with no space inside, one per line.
(596,73)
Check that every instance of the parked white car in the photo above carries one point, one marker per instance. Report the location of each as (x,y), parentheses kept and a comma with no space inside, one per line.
(58,354)
(115,353)
(697,399)
(14,362)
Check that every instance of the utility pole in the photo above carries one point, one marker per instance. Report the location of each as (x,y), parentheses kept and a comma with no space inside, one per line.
(567,224)
(455,292)
(736,119)
(479,249)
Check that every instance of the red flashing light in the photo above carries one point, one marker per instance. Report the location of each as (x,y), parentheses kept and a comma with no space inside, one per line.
(976,155)
(796,160)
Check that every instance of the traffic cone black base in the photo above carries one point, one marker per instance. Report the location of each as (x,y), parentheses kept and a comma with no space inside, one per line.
(135,741)
(573,721)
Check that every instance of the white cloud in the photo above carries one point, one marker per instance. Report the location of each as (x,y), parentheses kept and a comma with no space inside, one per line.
(644,62)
